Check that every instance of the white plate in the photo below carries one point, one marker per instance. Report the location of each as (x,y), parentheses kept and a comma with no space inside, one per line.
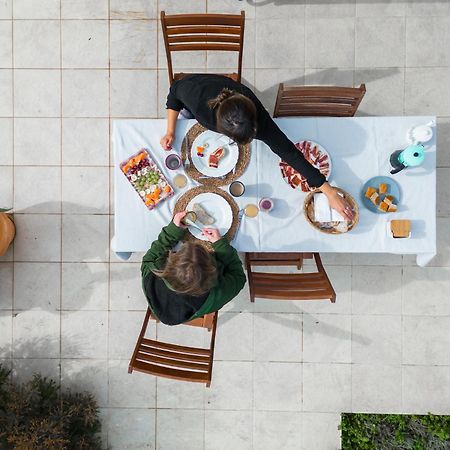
(214,140)
(217,207)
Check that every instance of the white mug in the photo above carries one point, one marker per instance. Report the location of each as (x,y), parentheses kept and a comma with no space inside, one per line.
(421,133)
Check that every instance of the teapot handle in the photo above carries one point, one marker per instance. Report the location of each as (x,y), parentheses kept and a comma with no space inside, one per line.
(397,170)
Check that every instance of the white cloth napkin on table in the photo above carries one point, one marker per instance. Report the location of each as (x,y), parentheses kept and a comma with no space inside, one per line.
(323,212)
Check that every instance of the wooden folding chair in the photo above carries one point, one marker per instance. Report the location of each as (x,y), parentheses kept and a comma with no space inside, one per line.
(287,286)
(193,32)
(318,101)
(172,360)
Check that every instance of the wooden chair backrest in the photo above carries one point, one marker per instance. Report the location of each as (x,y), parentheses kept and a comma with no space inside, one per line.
(194,32)
(172,360)
(287,286)
(318,101)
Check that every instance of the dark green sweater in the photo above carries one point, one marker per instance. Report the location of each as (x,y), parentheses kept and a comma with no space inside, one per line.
(173,308)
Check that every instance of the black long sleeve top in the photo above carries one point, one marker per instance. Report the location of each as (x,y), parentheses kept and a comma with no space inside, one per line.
(193,92)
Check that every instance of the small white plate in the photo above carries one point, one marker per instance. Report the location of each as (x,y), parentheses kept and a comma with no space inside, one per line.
(217,207)
(214,140)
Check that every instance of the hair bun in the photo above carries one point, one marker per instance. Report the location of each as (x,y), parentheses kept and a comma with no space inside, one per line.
(224,94)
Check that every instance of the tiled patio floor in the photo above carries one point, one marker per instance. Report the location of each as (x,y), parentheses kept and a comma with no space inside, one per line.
(283,371)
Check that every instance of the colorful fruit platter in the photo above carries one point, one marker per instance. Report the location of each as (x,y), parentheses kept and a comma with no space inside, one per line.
(381,195)
(316,155)
(146,178)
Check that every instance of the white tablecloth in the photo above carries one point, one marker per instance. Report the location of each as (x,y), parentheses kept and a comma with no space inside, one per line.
(359,149)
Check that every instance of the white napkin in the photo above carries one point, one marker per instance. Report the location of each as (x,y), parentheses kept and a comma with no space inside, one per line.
(323,212)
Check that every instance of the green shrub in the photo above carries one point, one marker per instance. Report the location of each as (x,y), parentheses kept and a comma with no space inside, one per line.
(395,432)
(38,416)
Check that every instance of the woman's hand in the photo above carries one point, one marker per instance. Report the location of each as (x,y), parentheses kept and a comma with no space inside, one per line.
(166,141)
(177,219)
(212,234)
(337,202)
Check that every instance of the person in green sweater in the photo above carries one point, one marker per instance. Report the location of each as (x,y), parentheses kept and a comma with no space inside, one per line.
(185,284)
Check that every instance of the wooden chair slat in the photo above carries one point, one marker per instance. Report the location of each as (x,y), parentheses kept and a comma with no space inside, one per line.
(318,101)
(166,372)
(204,38)
(178,30)
(204,46)
(178,348)
(288,286)
(172,360)
(203,19)
(231,31)
(233,76)
(201,367)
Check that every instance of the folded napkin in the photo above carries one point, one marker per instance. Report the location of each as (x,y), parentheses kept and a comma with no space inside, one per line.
(323,212)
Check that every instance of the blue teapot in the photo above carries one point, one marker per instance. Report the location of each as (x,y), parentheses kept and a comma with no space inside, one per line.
(411,156)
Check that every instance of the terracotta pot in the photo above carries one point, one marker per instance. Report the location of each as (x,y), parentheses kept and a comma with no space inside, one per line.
(7,232)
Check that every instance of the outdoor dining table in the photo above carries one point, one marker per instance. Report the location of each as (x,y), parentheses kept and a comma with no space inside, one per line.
(359,148)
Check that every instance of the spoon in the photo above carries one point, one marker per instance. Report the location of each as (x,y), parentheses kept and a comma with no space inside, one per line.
(192,224)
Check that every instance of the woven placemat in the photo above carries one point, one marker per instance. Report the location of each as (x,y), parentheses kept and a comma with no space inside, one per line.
(183,201)
(192,172)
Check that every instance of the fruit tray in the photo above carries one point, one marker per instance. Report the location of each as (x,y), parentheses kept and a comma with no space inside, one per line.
(146,178)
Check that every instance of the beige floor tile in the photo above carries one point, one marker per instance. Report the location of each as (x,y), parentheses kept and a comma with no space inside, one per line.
(287,328)
(443,189)
(84,286)
(85,93)
(323,8)
(327,338)
(443,142)
(180,394)
(369,296)
(376,339)
(135,390)
(426,389)
(6,285)
(133,9)
(174,7)
(423,291)
(25,368)
(85,238)
(6,188)
(268,54)
(277,386)
(6,93)
(37,142)
(6,335)
(86,375)
(36,334)
(320,430)
(376,389)
(29,9)
(133,44)
(85,142)
(192,422)
(231,7)
(37,286)
(37,44)
(326,387)
(330,42)
(373,35)
(236,337)
(385,8)
(28,199)
(37,93)
(426,340)
(131,428)
(84,9)
(277,429)
(37,237)
(85,190)
(84,334)
(6,43)
(85,44)
(231,386)
(6,9)
(6,132)
(133,93)
(228,429)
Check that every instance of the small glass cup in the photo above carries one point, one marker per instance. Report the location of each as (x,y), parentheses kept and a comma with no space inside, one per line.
(173,161)
(237,189)
(266,204)
(180,181)
(251,210)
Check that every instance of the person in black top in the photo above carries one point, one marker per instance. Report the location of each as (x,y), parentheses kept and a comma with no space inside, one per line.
(228,107)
